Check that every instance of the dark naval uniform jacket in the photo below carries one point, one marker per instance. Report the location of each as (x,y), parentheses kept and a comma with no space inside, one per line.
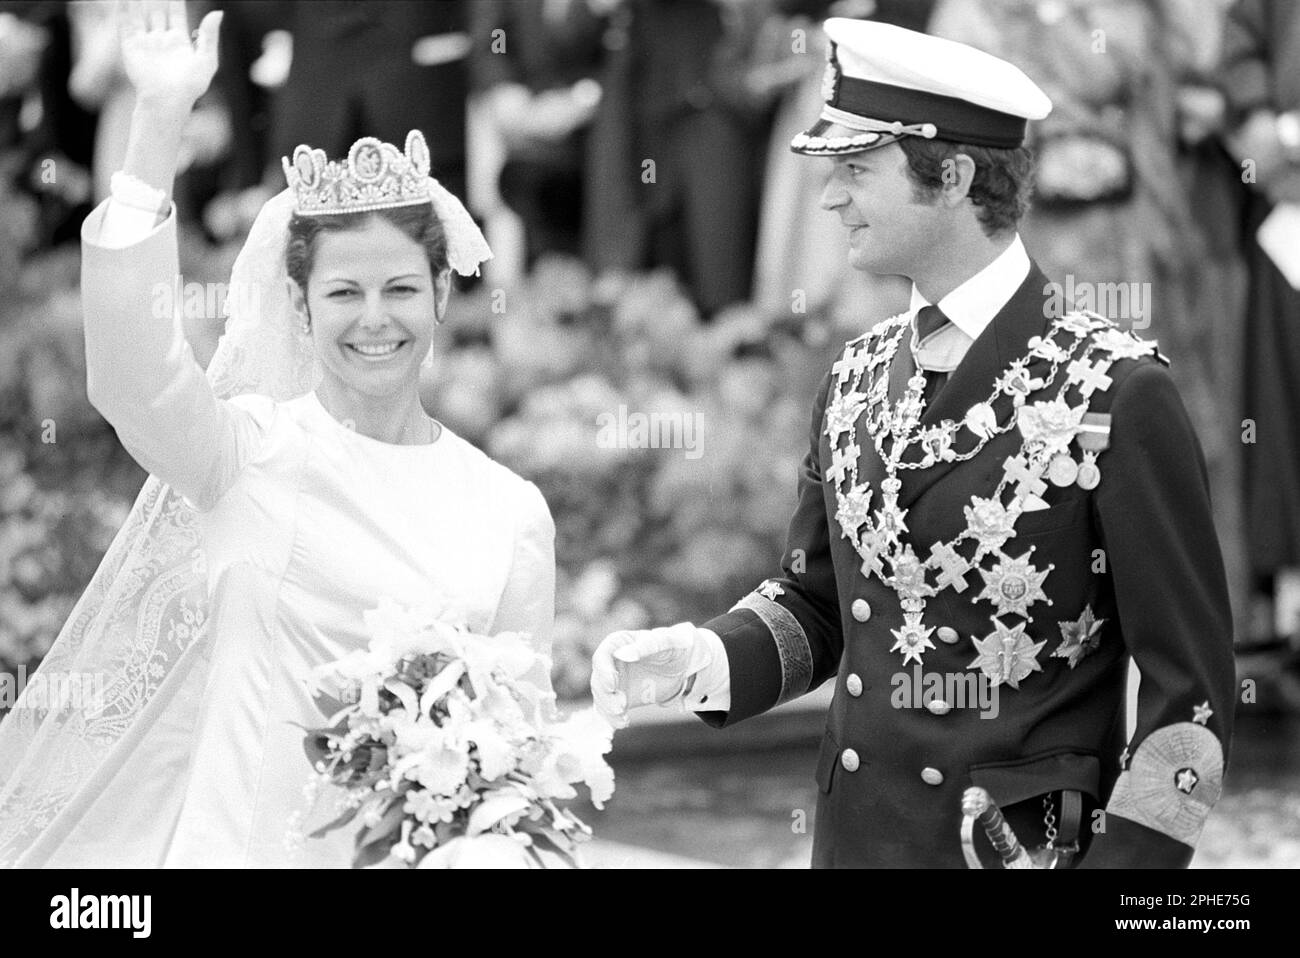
(1138,552)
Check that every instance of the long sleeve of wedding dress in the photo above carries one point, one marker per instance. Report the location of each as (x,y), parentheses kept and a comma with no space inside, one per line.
(140,371)
(528,601)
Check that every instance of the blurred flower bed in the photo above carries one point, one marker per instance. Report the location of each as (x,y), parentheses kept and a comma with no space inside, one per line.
(645,536)
(65,483)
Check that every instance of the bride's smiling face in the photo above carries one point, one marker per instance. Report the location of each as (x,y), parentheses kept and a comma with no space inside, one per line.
(373,302)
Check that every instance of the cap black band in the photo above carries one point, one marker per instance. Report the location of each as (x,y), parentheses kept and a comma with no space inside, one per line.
(955,119)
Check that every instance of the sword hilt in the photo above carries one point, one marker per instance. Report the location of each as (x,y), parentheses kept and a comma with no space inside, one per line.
(977,806)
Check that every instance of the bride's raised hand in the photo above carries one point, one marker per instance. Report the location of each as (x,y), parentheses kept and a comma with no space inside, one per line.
(163,62)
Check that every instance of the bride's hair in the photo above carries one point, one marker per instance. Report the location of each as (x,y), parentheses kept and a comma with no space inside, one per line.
(418,222)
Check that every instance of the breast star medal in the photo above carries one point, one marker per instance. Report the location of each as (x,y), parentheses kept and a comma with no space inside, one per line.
(1014,584)
(1079,638)
(1007,655)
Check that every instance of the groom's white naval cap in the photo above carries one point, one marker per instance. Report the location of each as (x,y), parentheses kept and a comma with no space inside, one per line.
(883,82)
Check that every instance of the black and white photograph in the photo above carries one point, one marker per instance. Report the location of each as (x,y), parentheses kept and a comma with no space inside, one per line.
(651,434)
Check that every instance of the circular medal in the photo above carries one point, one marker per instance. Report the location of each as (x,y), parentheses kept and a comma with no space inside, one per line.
(1089,476)
(1062,470)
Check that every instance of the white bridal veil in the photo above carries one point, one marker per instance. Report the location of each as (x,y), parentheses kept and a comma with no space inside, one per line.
(137,636)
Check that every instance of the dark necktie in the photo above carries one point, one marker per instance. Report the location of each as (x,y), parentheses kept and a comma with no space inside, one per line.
(929,319)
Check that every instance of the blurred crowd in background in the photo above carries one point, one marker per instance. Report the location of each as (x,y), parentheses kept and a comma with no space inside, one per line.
(663,248)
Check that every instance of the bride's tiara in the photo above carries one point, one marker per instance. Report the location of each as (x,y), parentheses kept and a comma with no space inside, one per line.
(375,176)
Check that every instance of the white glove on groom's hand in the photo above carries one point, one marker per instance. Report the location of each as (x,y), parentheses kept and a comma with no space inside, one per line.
(646,667)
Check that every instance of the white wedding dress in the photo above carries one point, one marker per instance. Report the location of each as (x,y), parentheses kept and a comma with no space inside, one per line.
(304,524)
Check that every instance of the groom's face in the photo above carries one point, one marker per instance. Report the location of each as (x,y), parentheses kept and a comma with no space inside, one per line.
(890,230)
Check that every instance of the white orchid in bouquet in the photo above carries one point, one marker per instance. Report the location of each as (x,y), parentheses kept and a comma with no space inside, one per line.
(446,746)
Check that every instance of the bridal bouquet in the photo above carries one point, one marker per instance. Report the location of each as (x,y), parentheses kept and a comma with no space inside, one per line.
(443,742)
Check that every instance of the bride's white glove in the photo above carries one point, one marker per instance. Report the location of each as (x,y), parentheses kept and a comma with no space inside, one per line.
(647,667)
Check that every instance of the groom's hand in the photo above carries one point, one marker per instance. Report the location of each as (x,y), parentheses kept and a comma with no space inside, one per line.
(646,667)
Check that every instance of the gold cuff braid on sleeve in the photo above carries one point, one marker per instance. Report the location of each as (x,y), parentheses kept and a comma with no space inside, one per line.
(1172,782)
(792,644)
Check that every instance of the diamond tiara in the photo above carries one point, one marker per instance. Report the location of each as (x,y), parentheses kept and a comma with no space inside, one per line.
(375,176)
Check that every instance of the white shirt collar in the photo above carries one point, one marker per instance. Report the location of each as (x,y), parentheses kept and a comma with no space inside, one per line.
(973,304)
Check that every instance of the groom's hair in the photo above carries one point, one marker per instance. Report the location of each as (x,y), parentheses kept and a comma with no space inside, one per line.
(417,221)
(1001,187)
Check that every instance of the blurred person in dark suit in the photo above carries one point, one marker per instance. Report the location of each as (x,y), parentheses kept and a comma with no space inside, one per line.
(378,68)
(246,26)
(799,261)
(677,148)
(98,83)
(1261,78)
(39,119)
(535,63)
(21,44)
